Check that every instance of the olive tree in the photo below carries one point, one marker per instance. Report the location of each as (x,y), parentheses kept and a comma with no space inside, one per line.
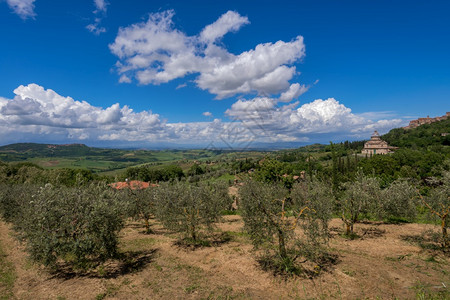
(271,218)
(73,224)
(318,197)
(13,198)
(398,200)
(141,204)
(438,204)
(191,208)
(360,197)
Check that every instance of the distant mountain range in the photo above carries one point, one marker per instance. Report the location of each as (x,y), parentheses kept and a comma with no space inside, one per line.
(436,133)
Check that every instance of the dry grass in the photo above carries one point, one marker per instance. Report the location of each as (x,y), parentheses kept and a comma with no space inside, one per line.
(378,264)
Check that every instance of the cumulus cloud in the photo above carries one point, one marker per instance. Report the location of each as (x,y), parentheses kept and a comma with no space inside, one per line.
(229,22)
(99,12)
(294,91)
(155,52)
(265,116)
(39,110)
(23,8)
(39,114)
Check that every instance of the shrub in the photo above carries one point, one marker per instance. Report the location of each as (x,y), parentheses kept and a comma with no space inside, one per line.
(191,208)
(438,204)
(318,196)
(141,205)
(78,224)
(398,201)
(360,197)
(13,198)
(271,218)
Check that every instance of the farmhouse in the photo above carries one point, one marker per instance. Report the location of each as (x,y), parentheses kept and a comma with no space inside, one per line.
(376,145)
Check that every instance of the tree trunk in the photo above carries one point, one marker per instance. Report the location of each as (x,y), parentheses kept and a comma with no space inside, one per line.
(348,228)
(147,226)
(281,244)
(193,233)
(444,231)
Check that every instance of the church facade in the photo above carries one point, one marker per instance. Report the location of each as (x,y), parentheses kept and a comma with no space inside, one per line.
(376,146)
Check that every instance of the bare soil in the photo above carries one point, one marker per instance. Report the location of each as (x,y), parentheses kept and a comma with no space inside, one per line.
(50,163)
(379,264)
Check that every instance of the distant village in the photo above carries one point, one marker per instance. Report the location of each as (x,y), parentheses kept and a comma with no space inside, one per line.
(427,120)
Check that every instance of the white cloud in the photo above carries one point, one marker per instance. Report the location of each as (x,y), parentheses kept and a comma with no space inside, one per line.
(23,8)
(229,22)
(155,52)
(95,28)
(294,91)
(39,114)
(100,9)
(124,79)
(101,5)
(36,109)
(264,116)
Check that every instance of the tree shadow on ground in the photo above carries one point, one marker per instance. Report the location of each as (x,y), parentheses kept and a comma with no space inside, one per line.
(215,240)
(298,266)
(359,233)
(428,240)
(125,263)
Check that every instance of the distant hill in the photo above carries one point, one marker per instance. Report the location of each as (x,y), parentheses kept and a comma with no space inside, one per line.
(104,160)
(423,136)
(34,149)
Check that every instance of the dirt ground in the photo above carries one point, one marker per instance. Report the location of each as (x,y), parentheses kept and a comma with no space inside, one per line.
(380,264)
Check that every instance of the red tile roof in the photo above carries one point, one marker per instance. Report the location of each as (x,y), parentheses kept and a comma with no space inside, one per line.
(133,184)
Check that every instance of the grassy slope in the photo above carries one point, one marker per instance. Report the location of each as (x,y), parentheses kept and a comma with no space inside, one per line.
(108,161)
(7,276)
(379,265)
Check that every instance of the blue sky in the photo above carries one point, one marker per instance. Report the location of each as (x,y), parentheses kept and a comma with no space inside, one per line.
(228,74)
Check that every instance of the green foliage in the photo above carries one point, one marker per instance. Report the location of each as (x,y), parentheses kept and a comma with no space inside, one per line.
(12,200)
(271,219)
(243,165)
(262,208)
(73,224)
(7,276)
(398,201)
(421,137)
(191,208)
(438,204)
(151,174)
(318,196)
(195,169)
(29,173)
(360,197)
(141,204)
(270,170)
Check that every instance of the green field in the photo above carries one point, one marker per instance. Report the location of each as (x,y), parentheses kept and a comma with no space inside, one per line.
(109,161)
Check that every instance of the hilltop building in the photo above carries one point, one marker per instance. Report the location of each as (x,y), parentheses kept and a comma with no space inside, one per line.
(427,120)
(376,146)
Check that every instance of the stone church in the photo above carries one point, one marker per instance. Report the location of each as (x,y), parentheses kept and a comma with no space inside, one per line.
(377,146)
